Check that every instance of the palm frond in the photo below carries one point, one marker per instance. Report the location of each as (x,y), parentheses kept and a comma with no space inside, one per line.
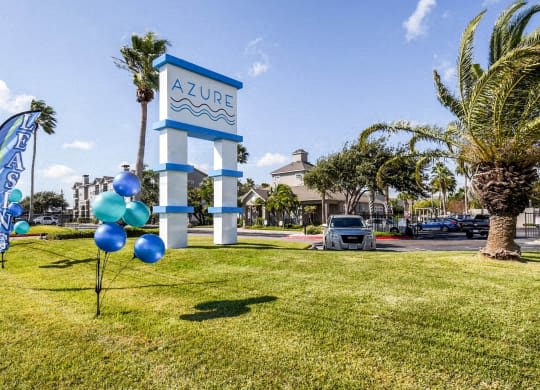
(466,75)
(499,35)
(446,98)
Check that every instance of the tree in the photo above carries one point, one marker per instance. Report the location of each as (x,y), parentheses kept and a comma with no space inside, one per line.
(282,202)
(47,122)
(497,126)
(45,201)
(442,181)
(241,154)
(320,179)
(150,187)
(137,60)
(200,198)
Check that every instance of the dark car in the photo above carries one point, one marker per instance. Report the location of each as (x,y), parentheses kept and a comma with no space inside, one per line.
(439,224)
(479,225)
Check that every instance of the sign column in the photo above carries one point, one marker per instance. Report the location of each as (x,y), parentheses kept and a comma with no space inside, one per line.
(225,176)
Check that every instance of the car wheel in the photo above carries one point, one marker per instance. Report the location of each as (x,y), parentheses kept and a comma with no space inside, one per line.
(394,230)
(469,234)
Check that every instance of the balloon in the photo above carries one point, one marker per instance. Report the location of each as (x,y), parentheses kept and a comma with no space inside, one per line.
(137,213)
(149,248)
(126,184)
(21,227)
(15,195)
(15,209)
(109,206)
(110,237)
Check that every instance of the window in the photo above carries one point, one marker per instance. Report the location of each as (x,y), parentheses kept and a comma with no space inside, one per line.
(276,179)
(300,177)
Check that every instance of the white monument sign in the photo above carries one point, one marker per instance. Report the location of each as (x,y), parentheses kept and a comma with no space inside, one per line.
(196,102)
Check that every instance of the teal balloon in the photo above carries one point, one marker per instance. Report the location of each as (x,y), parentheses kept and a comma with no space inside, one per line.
(109,206)
(15,195)
(137,214)
(21,227)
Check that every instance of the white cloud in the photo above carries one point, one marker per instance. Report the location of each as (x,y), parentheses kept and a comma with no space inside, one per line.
(485,3)
(13,104)
(415,23)
(258,68)
(261,63)
(60,172)
(81,145)
(271,159)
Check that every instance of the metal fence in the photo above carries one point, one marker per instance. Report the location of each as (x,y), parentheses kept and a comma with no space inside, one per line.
(531,225)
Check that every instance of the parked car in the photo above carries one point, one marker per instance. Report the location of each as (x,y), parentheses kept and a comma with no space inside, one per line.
(479,224)
(45,220)
(382,225)
(439,224)
(348,232)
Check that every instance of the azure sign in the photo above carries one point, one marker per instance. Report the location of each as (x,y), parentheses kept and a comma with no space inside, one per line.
(200,103)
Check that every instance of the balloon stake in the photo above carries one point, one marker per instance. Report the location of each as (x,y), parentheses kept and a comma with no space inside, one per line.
(100,271)
(2,260)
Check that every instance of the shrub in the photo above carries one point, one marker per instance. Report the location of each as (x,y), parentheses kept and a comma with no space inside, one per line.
(313,229)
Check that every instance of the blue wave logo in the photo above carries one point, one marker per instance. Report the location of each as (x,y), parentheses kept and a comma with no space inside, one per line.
(198,110)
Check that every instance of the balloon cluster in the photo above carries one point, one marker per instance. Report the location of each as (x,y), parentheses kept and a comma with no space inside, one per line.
(110,207)
(16,210)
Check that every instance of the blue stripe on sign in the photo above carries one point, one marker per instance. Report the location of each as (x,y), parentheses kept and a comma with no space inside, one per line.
(224,210)
(197,131)
(225,172)
(172,209)
(174,167)
(169,59)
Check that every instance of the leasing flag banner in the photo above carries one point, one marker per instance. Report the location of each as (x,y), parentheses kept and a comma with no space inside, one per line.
(15,133)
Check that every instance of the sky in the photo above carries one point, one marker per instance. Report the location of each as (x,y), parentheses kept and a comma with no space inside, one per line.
(315,73)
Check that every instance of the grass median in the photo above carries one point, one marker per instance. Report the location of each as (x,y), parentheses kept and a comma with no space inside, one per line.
(267,314)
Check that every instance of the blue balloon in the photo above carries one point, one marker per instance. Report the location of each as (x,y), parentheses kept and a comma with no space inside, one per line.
(15,195)
(137,213)
(149,248)
(126,184)
(109,206)
(110,237)
(21,227)
(15,209)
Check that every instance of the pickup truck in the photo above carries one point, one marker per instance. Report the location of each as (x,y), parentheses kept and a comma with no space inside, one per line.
(479,224)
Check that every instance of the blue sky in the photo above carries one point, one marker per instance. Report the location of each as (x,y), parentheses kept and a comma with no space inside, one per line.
(315,73)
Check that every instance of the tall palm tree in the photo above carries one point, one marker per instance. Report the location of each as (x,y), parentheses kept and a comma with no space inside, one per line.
(443,181)
(47,122)
(497,127)
(137,60)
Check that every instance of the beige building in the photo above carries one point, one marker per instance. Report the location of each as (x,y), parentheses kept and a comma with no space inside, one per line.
(292,175)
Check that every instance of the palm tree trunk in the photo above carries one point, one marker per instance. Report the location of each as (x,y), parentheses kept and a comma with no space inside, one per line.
(500,243)
(139,167)
(371,203)
(32,169)
(323,206)
(466,197)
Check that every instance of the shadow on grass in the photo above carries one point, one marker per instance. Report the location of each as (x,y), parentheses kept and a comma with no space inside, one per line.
(75,289)
(244,245)
(65,263)
(227,308)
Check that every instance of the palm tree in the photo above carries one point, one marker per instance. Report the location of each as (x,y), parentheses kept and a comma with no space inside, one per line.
(497,127)
(443,181)
(137,60)
(241,154)
(47,122)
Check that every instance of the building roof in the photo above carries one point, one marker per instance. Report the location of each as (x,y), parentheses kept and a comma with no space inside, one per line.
(259,192)
(295,166)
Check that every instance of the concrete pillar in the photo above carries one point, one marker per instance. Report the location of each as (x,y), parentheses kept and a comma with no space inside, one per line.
(225,176)
(173,171)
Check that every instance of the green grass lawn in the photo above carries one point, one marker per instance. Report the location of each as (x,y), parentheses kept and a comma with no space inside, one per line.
(268,314)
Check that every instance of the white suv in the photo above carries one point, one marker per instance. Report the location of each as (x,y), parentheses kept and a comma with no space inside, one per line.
(45,220)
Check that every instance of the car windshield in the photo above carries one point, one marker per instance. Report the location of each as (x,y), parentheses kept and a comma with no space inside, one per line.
(348,223)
